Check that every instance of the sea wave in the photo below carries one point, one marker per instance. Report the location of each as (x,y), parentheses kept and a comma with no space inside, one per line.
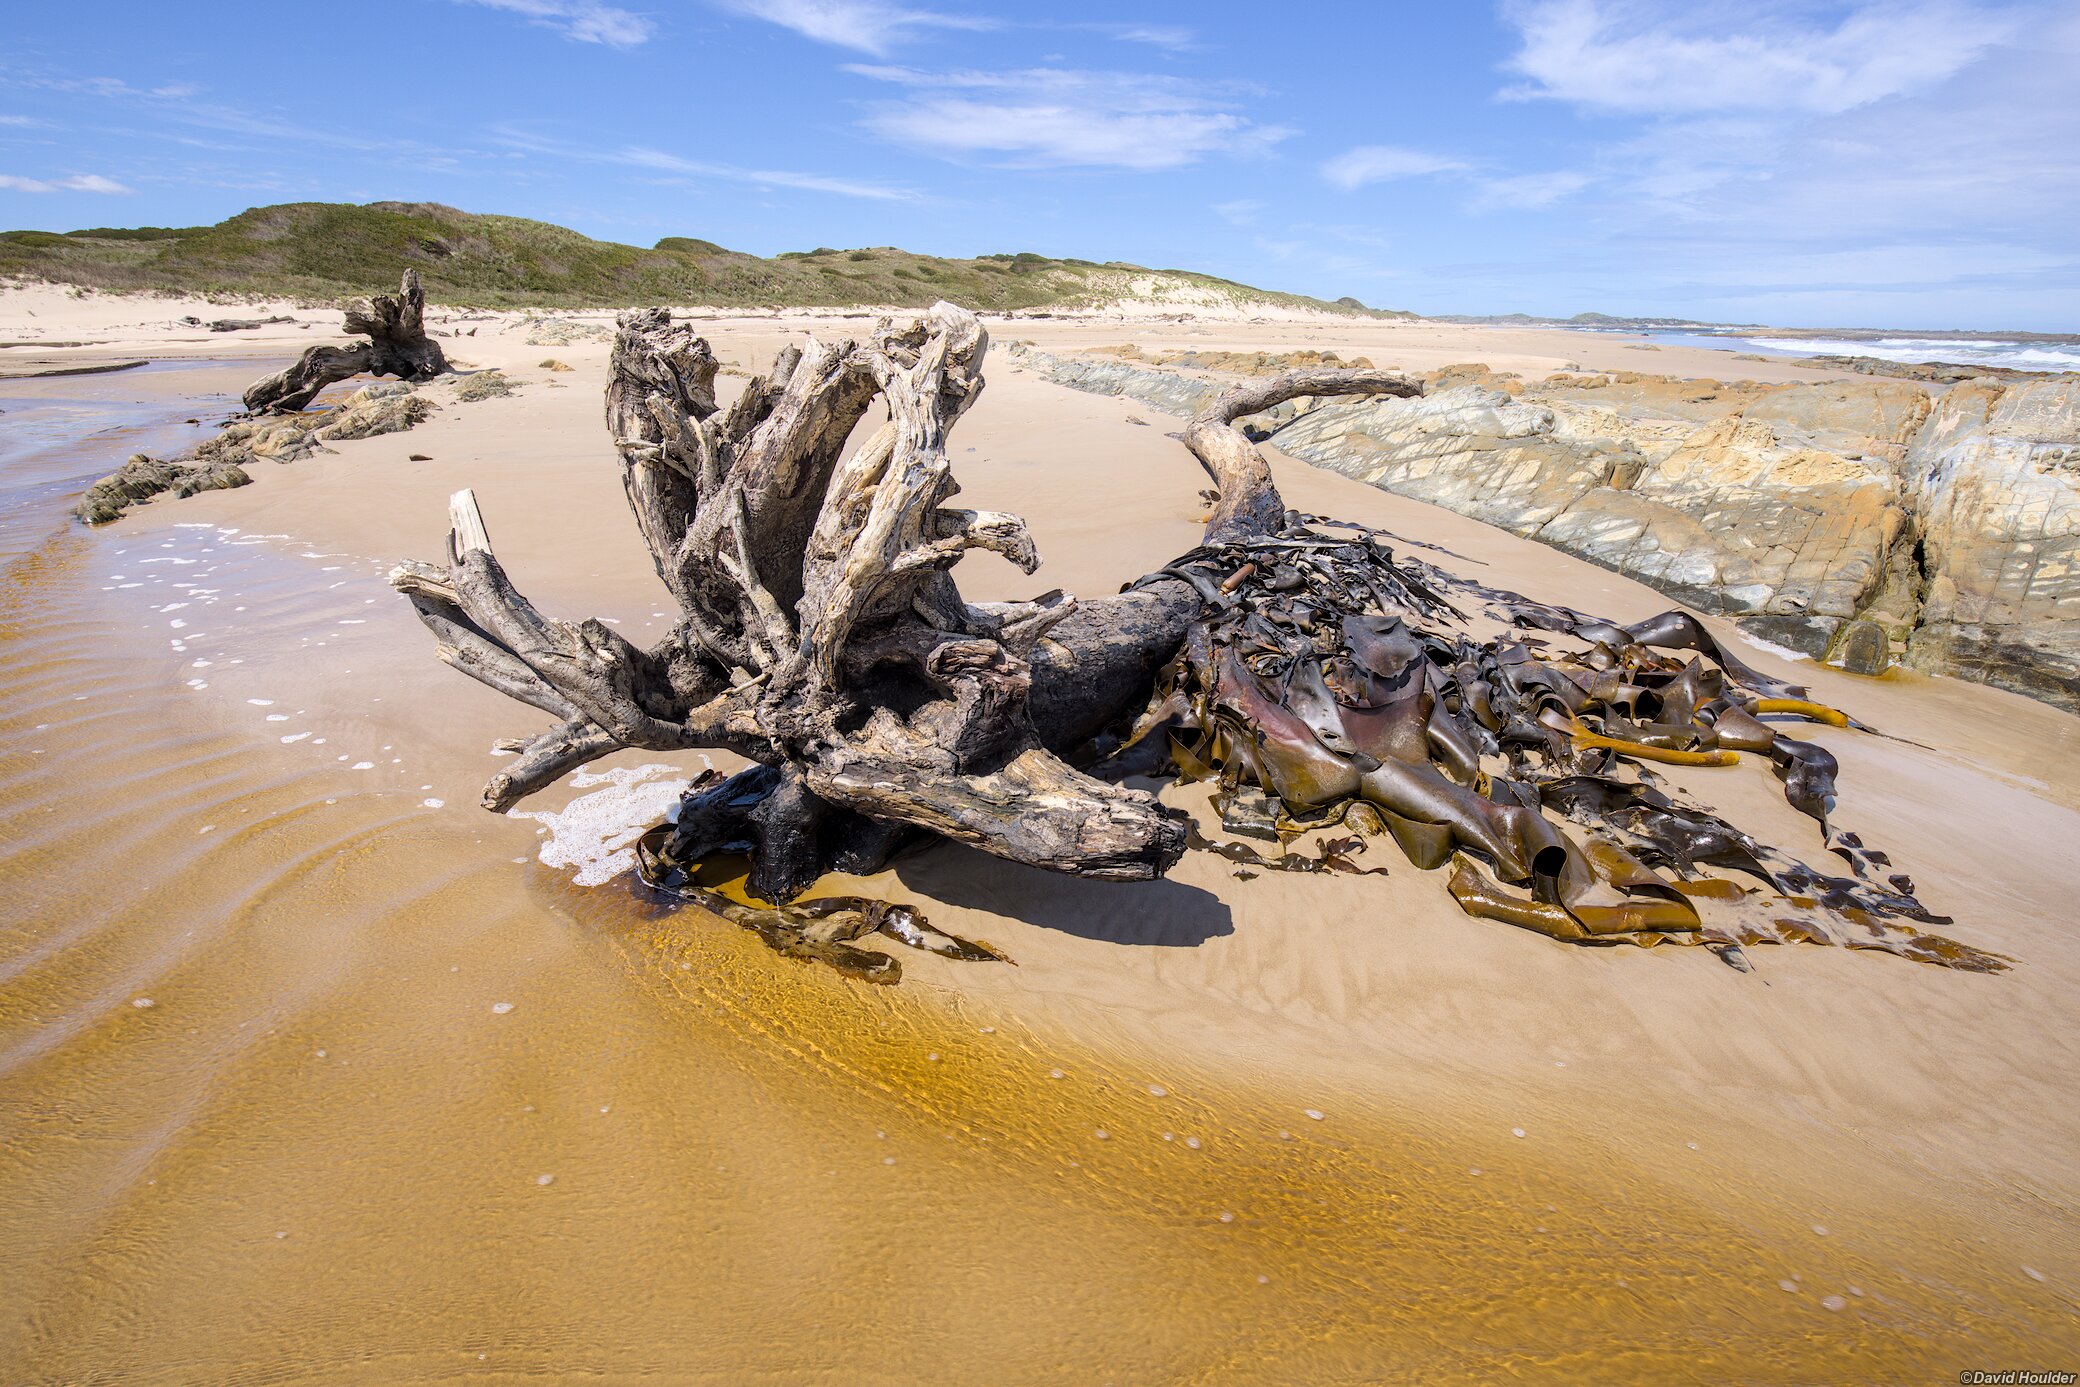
(2019,356)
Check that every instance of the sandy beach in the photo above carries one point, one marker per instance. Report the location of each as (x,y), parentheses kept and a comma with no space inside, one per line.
(312,1070)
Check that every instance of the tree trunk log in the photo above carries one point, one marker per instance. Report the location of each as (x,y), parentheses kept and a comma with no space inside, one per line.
(398,346)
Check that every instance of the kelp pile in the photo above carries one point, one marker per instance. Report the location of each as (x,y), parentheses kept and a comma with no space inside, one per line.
(1331,683)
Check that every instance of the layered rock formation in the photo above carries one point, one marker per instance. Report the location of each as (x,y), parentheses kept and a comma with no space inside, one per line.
(216,463)
(1842,518)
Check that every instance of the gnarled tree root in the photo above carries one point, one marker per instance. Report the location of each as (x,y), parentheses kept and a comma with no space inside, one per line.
(397,345)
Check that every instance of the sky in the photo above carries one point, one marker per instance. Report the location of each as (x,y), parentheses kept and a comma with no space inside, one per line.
(1902,163)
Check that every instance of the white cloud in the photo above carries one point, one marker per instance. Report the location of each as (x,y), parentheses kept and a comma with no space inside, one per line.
(77,183)
(1057,117)
(1621,55)
(1378,163)
(660,161)
(1528,190)
(1241,212)
(1171,36)
(866,26)
(586,21)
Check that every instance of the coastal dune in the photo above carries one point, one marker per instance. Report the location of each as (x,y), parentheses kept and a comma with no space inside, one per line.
(311,1068)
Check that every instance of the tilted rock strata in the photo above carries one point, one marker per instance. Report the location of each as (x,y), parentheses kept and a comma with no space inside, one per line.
(1994,477)
(1949,522)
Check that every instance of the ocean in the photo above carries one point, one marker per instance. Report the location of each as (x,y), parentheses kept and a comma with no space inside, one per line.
(2013,354)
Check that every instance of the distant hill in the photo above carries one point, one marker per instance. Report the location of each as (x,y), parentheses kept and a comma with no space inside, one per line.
(320,250)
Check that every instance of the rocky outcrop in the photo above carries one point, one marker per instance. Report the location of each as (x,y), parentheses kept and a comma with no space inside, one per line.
(1856,520)
(1994,477)
(561,332)
(143,477)
(1940,372)
(220,462)
(484,385)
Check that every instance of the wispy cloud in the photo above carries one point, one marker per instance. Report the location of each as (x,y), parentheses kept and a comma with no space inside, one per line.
(1622,55)
(1491,191)
(661,161)
(586,21)
(76,183)
(1175,37)
(1240,212)
(865,26)
(1064,118)
(1379,163)
(1527,190)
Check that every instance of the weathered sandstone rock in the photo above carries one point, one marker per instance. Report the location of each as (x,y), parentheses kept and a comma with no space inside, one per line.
(1948,522)
(142,477)
(1995,479)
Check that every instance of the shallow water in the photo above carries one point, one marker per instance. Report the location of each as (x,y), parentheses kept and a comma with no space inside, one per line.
(305,1078)
(58,434)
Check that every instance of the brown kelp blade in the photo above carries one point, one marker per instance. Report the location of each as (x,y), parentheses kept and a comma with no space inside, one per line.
(825,929)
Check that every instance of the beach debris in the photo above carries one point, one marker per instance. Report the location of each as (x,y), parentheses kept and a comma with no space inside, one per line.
(395,325)
(246,324)
(1321,677)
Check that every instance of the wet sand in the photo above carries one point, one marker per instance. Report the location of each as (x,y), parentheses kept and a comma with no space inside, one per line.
(319,1153)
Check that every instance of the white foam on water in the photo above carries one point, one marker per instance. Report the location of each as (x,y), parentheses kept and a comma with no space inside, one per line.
(1966,351)
(594,833)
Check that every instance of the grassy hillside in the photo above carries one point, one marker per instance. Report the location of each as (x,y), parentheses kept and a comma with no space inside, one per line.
(318,250)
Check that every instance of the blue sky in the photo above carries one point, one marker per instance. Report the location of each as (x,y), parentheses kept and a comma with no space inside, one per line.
(1906,163)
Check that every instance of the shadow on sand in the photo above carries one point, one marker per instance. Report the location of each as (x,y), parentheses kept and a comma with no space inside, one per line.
(1160,914)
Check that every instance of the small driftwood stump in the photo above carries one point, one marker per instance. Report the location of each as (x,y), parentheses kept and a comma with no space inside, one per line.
(1324,680)
(397,346)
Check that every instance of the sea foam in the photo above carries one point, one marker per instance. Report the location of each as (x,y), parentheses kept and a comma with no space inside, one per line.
(595,833)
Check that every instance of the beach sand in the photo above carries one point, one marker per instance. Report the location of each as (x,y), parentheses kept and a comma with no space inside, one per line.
(310,1070)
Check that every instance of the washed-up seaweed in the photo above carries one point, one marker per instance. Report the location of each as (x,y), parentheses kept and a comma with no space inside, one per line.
(1330,681)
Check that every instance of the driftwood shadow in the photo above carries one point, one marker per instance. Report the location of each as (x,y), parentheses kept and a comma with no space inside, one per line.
(1163,913)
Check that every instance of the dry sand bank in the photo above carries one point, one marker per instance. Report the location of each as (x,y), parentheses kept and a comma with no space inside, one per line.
(320,1147)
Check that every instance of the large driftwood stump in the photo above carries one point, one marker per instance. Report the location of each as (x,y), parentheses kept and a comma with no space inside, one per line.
(397,346)
(821,634)
(1324,682)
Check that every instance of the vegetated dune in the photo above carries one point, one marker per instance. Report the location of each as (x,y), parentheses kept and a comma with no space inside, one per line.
(321,250)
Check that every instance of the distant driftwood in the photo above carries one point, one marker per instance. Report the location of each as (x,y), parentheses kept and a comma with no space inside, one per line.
(97,369)
(398,346)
